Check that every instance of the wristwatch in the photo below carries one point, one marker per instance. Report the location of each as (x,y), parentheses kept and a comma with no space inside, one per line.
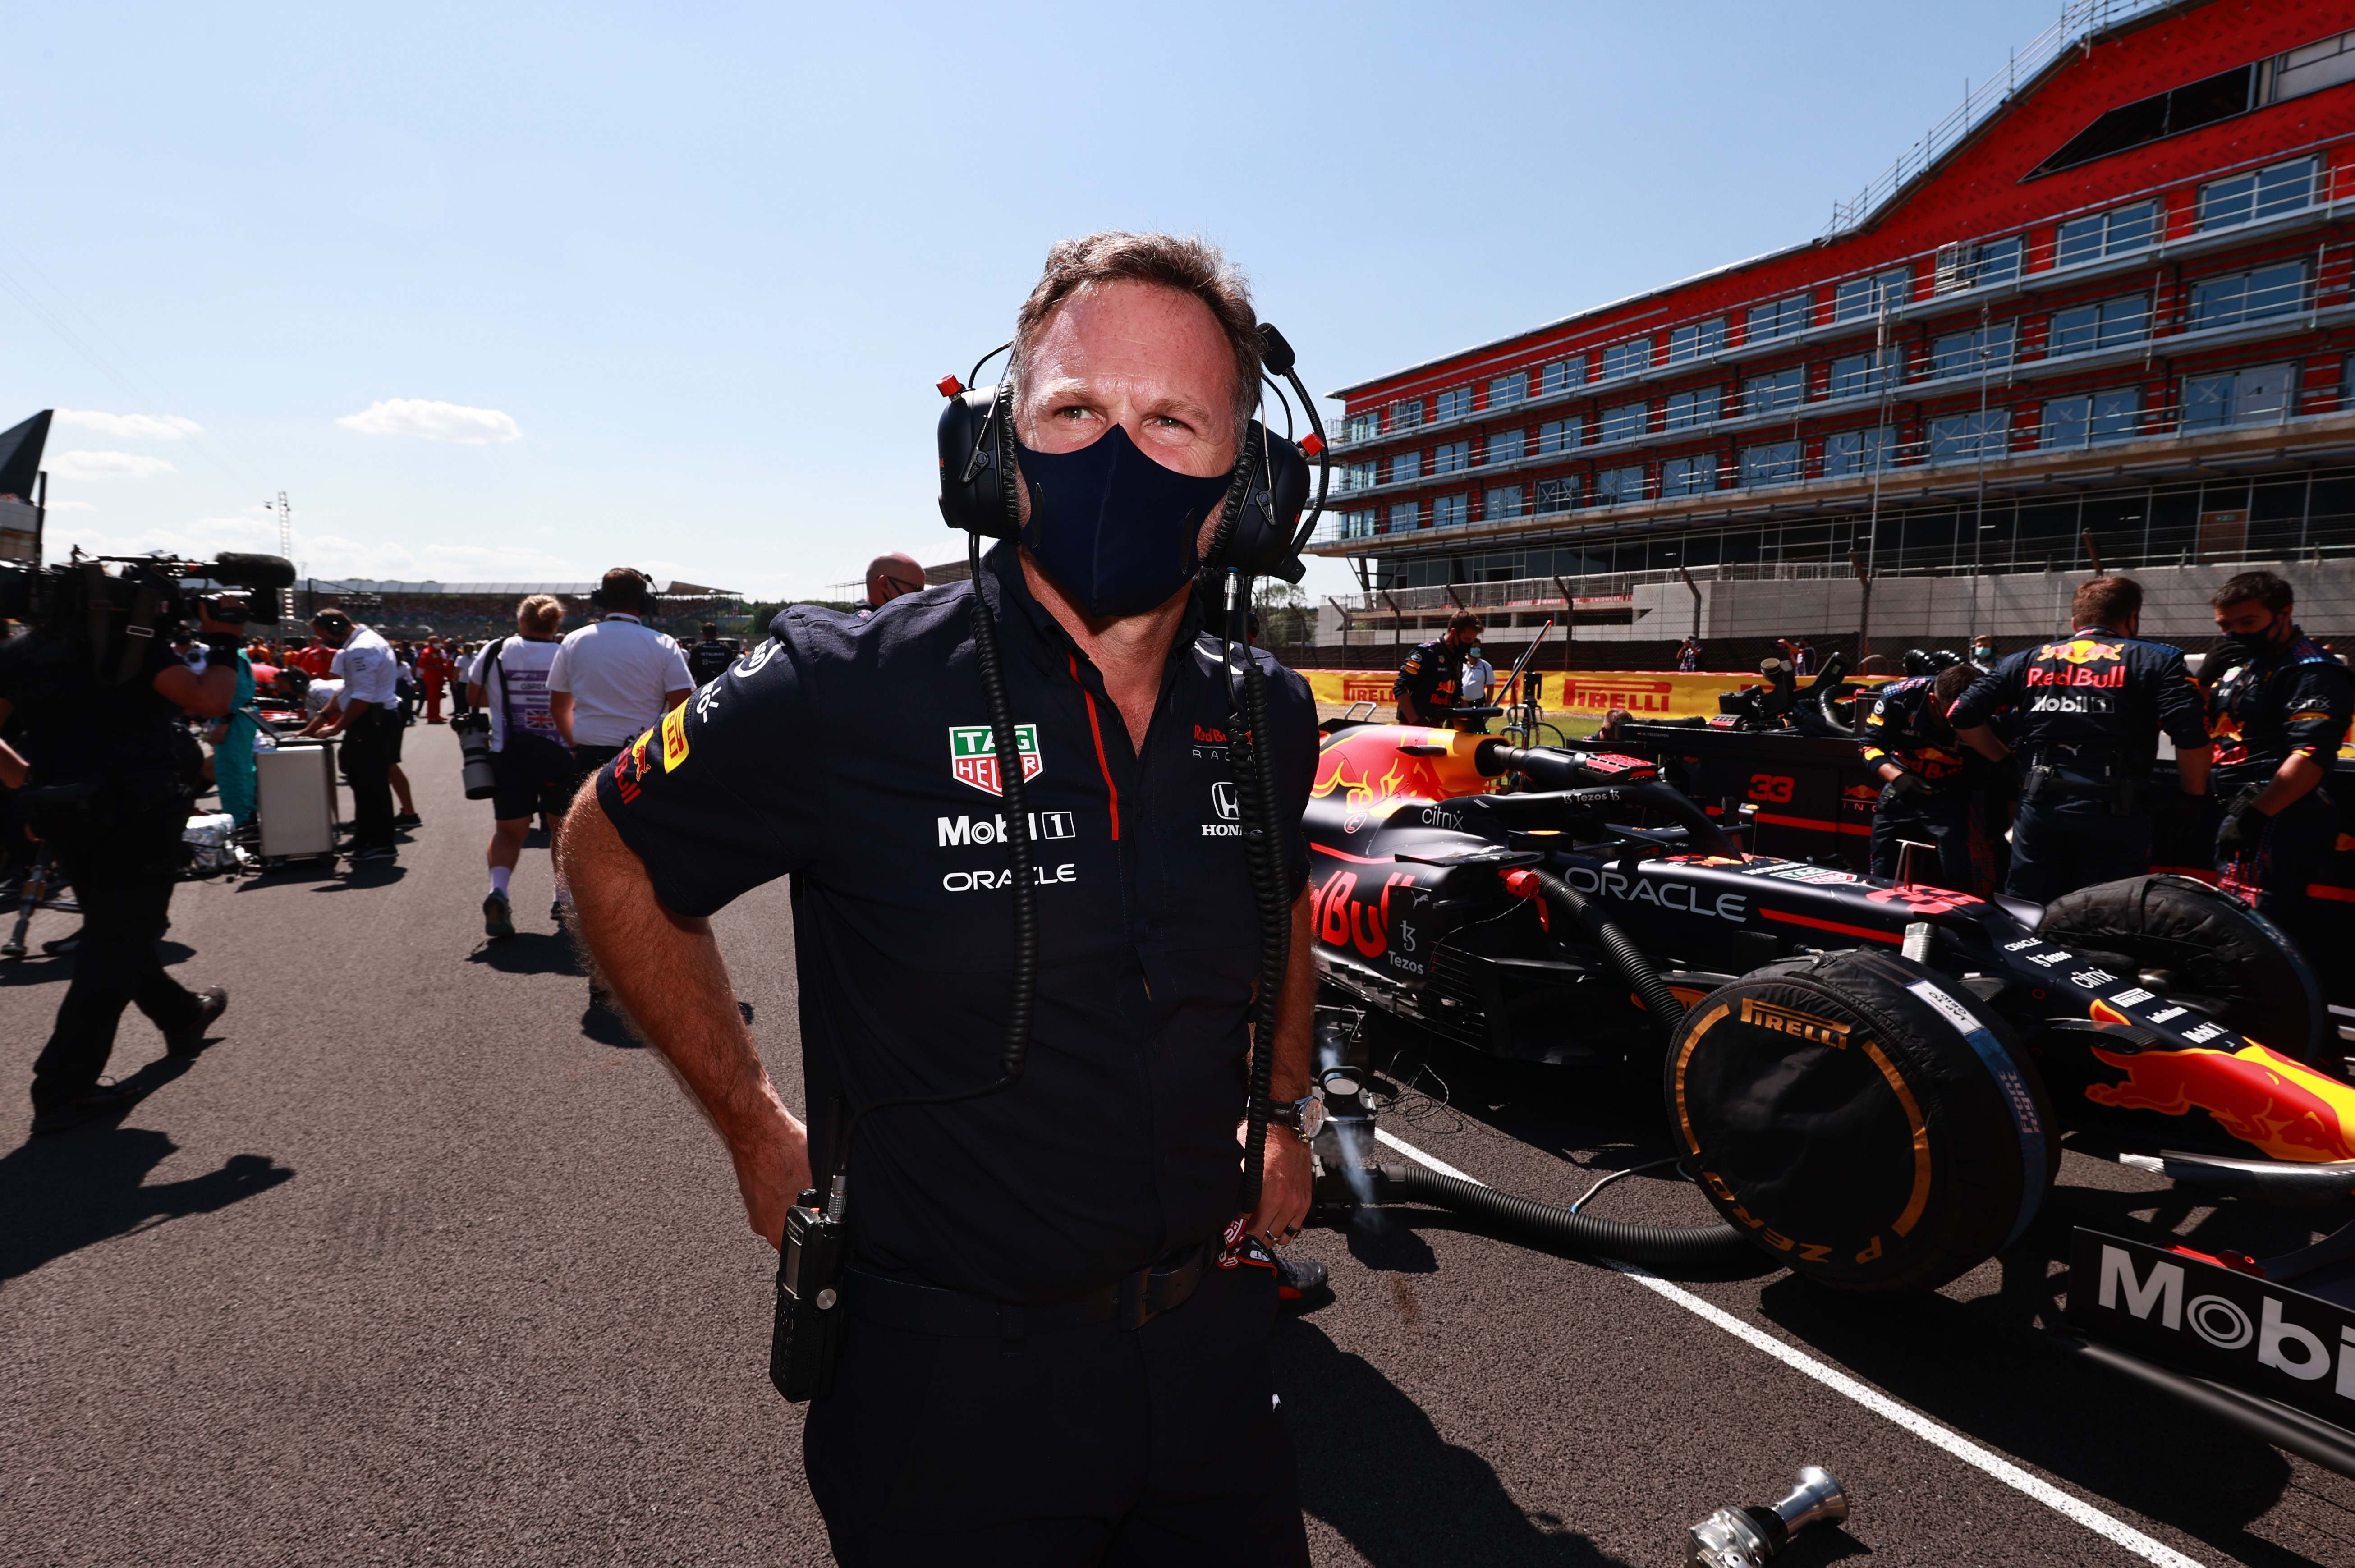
(1304,1115)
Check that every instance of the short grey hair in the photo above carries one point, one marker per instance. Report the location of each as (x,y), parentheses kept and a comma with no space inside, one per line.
(1190,266)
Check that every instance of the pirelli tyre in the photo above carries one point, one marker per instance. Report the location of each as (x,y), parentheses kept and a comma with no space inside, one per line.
(1863,1119)
(2196,940)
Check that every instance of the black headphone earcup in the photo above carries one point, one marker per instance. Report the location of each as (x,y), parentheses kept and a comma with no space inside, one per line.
(1276,494)
(976,449)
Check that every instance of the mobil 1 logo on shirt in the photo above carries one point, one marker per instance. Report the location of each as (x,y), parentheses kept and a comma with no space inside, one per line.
(2238,1329)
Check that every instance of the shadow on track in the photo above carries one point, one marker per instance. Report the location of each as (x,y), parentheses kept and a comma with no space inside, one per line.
(1982,1367)
(530,953)
(71,1190)
(1374,1468)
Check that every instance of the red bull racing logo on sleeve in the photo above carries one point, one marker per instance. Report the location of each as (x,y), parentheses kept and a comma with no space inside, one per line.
(973,755)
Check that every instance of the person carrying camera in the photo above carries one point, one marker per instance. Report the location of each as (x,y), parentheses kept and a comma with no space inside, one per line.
(105,777)
(366,713)
(531,765)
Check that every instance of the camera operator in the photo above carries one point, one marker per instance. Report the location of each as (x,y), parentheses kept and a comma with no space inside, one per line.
(995,1401)
(612,681)
(365,713)
(105,777)
(531,765)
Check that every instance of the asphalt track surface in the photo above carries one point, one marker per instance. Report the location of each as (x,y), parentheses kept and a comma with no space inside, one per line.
(422,1262)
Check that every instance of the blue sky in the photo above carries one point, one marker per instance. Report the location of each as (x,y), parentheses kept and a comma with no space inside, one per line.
(517,293)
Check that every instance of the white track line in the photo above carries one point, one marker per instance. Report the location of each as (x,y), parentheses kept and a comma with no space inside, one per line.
(1880,1404)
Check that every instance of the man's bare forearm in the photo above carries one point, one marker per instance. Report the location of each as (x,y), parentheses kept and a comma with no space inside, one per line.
(665,970)
(1295,1010)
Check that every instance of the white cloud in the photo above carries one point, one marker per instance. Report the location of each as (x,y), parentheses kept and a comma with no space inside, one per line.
(131,427)
(106,465)
(72,506)
(431,420)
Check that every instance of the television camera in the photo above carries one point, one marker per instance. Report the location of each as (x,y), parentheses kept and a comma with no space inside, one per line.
(112,606)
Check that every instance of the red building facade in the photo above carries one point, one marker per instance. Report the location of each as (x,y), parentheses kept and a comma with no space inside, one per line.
(2121,304)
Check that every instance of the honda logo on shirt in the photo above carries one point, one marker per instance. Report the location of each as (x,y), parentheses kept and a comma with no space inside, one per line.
(1223,796)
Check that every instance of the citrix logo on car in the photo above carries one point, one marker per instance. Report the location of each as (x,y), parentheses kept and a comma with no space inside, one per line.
(1681,896)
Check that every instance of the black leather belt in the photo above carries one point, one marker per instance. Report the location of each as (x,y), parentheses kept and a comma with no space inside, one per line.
(1132,1301)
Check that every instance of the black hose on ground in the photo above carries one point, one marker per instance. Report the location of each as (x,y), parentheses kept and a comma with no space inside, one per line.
(1665,1246)
(1625,955)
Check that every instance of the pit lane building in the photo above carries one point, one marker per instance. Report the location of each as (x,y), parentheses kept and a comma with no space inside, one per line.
(2104,310)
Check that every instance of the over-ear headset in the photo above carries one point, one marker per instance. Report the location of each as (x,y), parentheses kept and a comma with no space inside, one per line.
(1260,529)
(597,594)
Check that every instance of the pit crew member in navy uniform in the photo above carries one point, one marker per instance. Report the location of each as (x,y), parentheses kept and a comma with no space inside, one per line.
(2278,708)
(1935,789)
(1431,683)
(2092,707)
(1116,1151)
(710,658)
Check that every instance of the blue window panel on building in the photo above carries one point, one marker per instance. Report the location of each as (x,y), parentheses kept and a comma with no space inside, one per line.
(1859,374)
(1972,266)
(1407,415)
(1775,462)
(2106,234)
(1362,427)
(1625,420)
(1626,359)
(1558,494)
(1358,525)
(2249,296)
(1451,457)
(1503,391)
(1689,476)
(1860,299)
(1966,438)
(2084,421)
(1451,511)
(1406,517)
(2238,397)
(1557,435)
(1852,453)
(2257,195)
(2107,325)
(1776,390)
(1506,445)
(1777,318)
(1686,409)
(1616,486)
(1563,374)
(1504,501)
(1696,340)
(1969,353)
(1359,476)
(1405,466)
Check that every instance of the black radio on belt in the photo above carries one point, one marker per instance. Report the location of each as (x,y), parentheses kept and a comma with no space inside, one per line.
(809,1302)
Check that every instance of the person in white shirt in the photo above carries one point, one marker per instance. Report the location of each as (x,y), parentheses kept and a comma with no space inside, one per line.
(531,765)
(367,715)
(614,679)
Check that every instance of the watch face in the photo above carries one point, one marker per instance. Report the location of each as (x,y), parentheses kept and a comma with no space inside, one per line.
(1312,1115)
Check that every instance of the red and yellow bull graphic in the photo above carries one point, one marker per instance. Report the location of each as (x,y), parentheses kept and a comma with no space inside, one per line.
(2257,1095)
(1368,771)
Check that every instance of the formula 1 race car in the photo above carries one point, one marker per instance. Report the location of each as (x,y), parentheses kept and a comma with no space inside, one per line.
(1872,1079)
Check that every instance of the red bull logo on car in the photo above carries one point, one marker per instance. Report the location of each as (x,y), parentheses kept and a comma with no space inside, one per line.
(2259,1096)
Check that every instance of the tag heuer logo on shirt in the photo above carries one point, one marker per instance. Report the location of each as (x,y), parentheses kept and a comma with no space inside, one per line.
(973,755)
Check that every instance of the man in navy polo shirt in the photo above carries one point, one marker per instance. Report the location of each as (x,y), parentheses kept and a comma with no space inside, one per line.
(1117,1150)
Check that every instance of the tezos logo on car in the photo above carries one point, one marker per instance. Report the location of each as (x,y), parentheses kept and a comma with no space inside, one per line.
(973,755)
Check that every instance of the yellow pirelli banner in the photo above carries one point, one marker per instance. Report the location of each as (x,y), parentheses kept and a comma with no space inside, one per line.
(1645,694)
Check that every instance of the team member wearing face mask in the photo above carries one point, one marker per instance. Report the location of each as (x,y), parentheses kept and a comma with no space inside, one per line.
(2278,707)
(1430,686)
(1051,1355)
(2091,708)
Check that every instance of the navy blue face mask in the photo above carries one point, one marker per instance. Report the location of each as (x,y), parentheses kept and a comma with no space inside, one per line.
(1116,531)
